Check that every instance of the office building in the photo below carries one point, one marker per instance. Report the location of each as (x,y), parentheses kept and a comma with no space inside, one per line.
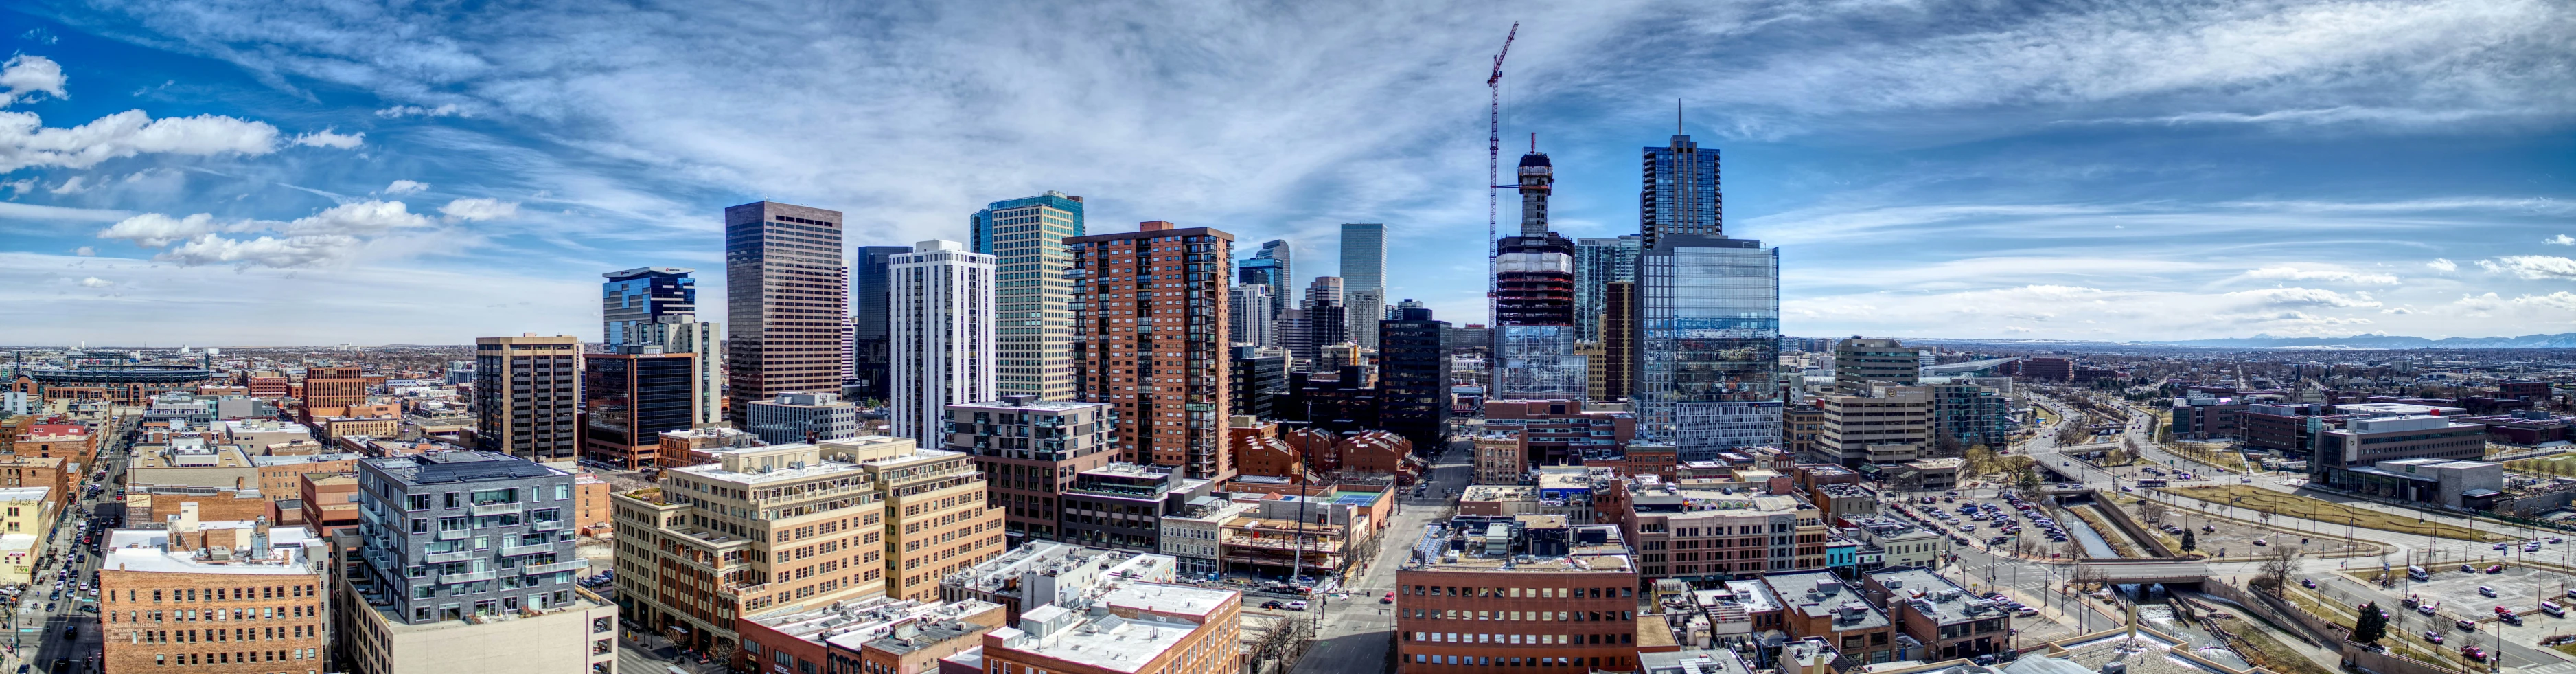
(1043,573)
(1970,415)
(1680,193)
(870,336)
(1949,621)
(1716,532)
(1033,328)
(786,293)
(1619,341)
(1822,606)
(1117,505)
(1364,280)
(334,387)
(1260,380)
(802,417)
(1482,593)
(466,563)
(1413,378)
(1154,339)
(631,399)
(1597,264)
(1271,267)
(2347,458)
(1250,315)
(526,391)
(1293,332)
(1327,317)
(1885,424)
(1029,450)
(1709,341)
(152,581)
(1561,432)
(943,347)
(644,296)
(1860,362)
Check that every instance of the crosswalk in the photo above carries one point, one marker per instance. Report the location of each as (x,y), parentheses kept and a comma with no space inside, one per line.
(2560,667)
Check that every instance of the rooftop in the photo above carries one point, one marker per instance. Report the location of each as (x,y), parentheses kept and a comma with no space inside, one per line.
(1819,594)
(1108,642)
(1692,662)
(24,493)
(1168,599)
(853,623)
(1935,595)
(459,466)
(291,551)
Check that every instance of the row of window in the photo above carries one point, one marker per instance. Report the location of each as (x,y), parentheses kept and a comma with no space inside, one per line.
(235,657)
(222,594)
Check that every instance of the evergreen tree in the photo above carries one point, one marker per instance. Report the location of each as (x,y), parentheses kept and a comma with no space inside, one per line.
(2187,542)
(2371,626)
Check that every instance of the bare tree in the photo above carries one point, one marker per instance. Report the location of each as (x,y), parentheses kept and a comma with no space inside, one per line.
(2151,512)
(2277,566)
(2085,577)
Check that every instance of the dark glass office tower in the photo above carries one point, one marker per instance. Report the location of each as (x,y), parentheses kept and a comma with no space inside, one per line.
(1709,348)
(1271,267)
(642,296)
(631,399)
(870,339)
(1413,378)
(1680,195)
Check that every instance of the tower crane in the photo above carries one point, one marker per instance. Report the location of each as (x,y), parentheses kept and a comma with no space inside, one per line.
(1494,168)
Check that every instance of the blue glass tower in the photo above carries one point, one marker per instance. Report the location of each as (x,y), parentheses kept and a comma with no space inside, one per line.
(1709,351)
(1032,324)
(644,295)
(1680,194)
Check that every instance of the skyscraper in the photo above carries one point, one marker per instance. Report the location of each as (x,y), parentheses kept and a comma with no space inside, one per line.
(1708,351)
(1249,315)
(1534,350)
(786,293)
(1680,194)
(643,296)
(526,389)
(1364,280)
(631,399)
(1413,378)
(1283,274)
(1153,341)
(1032,328)
(1597,264)
(942,351)
(869,338)
(1327,318)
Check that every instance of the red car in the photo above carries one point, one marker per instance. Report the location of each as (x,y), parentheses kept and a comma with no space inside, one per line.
(2499,568)
(2473,653)
(1390,599)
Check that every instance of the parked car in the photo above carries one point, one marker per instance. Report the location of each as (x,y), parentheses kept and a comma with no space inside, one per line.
(2432,636)
(1274,604)
(2473,653)
(1388,598)
(2466,625)
(2499,568)
(2310,583)
(2485,591)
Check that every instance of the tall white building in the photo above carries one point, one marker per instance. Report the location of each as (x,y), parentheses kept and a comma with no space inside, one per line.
(1248,314)
(939,308)
(707,383)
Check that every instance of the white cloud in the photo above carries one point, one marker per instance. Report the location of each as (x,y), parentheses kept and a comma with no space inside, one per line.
(27,75)
(96,282)
(72,186)
(2401,311)
(470,210)
(154,230)
(85,251)
(2561,300)
(2443,264)
(2532,266)
(2297,274)
(2560,240)
(364,218)
(406,187)
(26,142)
(326,138)
(400,111)
(293,251)
(2306,297)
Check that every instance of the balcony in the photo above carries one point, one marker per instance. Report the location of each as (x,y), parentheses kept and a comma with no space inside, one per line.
(516,550)
(445,557)
(467,577)
(455,534)
(542,569)
(546,525)
(497,508)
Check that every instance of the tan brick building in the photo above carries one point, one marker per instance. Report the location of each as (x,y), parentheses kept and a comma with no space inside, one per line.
(282,477)
(937,520)
(1491,606)
(213,597)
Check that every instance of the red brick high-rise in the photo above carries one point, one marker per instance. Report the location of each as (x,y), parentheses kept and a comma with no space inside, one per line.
(1150,316)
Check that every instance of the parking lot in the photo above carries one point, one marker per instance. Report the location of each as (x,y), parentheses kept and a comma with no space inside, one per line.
(2521,588)
(2235,538)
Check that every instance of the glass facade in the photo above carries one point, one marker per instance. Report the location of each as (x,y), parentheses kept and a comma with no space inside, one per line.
(1271,267)
(1364,280)
(1680,193)
(1710,338)
(637,297)
(1538,362)
(870,338)
(1032,327)
(1597,264)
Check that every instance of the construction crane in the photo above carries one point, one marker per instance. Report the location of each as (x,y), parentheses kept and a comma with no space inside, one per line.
(1494,171)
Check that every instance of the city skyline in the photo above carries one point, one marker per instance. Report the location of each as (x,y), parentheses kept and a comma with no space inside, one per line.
(2349,184)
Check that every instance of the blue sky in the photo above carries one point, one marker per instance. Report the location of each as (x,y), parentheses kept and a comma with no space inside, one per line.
(219,172)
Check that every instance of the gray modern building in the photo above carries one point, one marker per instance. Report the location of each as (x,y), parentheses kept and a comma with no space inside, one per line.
(1032,326)
(1680,192)
(1597,264)
(1250,314)
(1118,505)
(1709,351)
(1260,378)
(1364,280)
(446,535)
(802,417)
(1327,320)
(1029,451)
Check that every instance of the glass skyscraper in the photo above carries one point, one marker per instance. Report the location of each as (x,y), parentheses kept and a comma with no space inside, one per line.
(1710,344)
(786,286)
(1271,267)
(1032,327)
(1680,193)
(1364,280)
(870,338)
(1597,264)
(641,296)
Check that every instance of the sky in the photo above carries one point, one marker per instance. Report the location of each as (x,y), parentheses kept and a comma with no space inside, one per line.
(292,172)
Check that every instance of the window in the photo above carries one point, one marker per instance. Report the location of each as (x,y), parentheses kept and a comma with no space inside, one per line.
(563,492)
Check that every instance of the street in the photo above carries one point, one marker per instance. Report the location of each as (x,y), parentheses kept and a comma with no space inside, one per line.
(1358,633)
(32,622)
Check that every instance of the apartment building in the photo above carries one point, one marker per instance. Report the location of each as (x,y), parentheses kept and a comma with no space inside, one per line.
(1120,627)
(761,529)
(239,597)
(1151,340)
(938,520)
(1702,531)
(941,313)
(1029,451)
(1527,592)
